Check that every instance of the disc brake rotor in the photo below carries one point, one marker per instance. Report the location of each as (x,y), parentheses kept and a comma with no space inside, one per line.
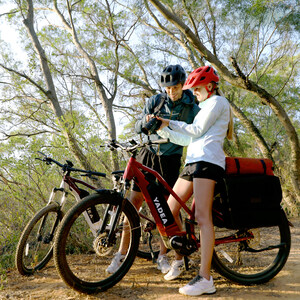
(100,245)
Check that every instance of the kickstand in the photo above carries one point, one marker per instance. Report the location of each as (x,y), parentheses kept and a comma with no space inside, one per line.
(186,262)
(150,246)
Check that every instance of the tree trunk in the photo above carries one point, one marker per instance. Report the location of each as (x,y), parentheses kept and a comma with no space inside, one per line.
(106,103)
(51,92)
(264,148)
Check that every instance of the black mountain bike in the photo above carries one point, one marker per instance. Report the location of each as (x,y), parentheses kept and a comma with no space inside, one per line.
(35,246)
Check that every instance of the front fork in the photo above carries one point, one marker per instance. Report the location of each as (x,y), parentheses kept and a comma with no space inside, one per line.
(111,220)
(48,238)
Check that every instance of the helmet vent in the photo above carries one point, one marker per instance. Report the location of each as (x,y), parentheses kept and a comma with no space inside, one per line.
(201,76)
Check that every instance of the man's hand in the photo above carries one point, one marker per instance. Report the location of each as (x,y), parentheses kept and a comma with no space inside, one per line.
(149,117)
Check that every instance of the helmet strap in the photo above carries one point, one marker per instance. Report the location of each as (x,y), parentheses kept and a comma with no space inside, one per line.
(212,90)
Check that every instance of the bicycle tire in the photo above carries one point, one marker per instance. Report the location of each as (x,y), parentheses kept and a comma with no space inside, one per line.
(78,262)
(35,246)
(244,267)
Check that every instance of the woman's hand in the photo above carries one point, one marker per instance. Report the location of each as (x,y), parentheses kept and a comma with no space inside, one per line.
(164,122)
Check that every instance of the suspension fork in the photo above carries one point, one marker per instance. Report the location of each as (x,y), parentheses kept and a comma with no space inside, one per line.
(61,204)
(111,220)
(115,221)
(107,213)
(48,238)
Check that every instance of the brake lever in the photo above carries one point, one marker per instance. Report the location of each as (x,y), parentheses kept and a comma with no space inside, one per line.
(45,159)
(112,145)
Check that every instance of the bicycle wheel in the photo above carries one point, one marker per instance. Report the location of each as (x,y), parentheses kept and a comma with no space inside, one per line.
(255,260)
(34,249)
(147,228)
(80,257)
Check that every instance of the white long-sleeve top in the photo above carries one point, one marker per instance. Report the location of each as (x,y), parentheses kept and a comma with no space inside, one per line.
(205,136)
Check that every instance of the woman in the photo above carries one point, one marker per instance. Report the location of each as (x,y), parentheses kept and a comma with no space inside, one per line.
(205,165)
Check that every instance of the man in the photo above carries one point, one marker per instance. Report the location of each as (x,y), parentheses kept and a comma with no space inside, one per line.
(175,104)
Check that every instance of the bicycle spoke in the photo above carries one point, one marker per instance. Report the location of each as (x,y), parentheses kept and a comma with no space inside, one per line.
(34,249)
(253,260)
(83,258)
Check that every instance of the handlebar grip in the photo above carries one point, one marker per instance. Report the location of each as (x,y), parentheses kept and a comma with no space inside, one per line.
(98,174)
(87,173)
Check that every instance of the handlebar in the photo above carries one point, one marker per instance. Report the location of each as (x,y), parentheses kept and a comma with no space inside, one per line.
(68,166)
(115,144)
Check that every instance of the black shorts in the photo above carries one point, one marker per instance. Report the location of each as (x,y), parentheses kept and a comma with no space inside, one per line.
(202,169)
(166,165)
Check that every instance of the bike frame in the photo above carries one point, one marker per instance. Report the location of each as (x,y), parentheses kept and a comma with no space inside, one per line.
(69,183)
(134,172)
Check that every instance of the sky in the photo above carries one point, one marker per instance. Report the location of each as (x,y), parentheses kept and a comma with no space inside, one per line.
(7,32)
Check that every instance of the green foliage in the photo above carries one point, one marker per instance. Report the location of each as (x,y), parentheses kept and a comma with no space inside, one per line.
(3,277)
(7,251)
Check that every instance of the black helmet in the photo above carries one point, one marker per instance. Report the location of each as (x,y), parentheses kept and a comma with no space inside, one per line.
(172,75)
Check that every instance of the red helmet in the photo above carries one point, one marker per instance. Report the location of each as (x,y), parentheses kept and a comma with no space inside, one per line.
(201,76)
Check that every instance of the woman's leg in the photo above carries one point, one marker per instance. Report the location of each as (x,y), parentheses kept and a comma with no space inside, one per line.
(203,193)
(184,189)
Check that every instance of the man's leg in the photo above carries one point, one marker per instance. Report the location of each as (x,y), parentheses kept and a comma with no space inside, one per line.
(136,198)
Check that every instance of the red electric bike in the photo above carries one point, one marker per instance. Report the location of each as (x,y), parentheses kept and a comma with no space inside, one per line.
(244,255)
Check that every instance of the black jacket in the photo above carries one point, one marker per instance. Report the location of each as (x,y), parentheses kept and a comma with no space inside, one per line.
(184,109)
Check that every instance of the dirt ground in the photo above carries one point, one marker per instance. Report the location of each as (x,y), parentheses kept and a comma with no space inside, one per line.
(144,281)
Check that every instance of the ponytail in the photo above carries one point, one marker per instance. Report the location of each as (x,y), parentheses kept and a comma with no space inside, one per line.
(230,124)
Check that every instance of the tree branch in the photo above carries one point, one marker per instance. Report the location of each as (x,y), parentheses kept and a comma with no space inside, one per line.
(8,136)
(26,77)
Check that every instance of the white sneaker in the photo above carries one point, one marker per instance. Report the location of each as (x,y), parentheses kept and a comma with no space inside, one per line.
(163,264)
(198,286)
(177,267)
(115,263)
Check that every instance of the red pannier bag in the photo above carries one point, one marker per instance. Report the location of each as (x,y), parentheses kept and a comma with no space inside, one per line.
(243,165)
